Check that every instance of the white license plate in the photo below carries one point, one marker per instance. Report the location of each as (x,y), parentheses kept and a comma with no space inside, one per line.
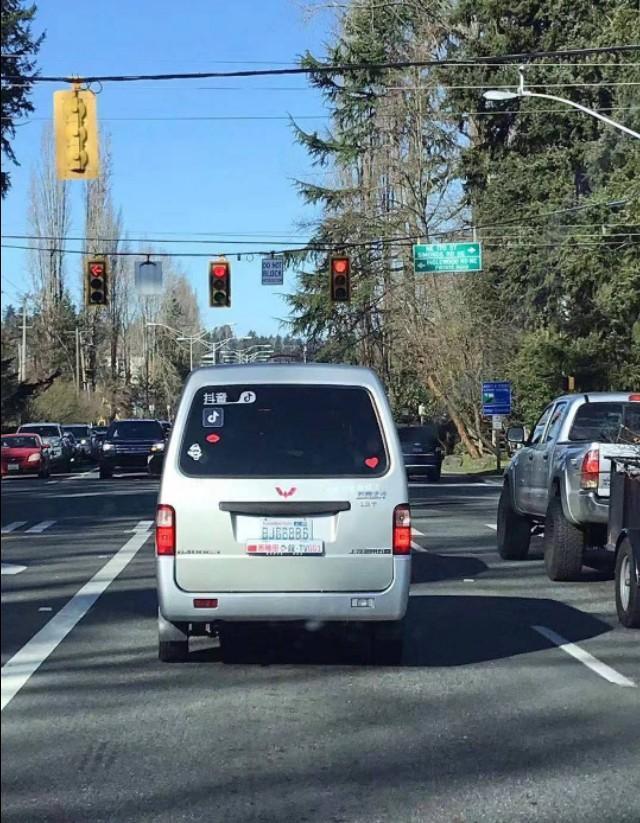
(14,467)
(288,529)
(285,548)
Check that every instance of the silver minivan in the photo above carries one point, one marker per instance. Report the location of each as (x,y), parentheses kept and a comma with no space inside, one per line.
(283,498)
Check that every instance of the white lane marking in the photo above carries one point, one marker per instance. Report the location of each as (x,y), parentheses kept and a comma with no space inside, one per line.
(468,580)
(11,527)
(416,546)
(82,475)
(17,671)
(10,568)
(45,609)
(584,657)
(40,527)
(143,525)
(52,482)
(491,526)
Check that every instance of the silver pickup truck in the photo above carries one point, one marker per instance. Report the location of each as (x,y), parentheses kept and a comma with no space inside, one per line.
(560,478)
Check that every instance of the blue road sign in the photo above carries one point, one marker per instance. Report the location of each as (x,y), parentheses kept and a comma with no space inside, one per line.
(496,398)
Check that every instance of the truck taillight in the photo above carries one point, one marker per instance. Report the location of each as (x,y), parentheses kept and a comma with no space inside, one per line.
(590,475)
(165,530)
(402,530)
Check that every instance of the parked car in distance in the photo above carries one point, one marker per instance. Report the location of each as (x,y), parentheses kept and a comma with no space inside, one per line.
(283,497)
(561,478)
(82,434)
(61,451)
(421,451)
(128,445)
(24,454)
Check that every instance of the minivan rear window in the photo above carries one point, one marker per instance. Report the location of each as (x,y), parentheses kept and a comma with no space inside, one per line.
(283,431)
(607,422)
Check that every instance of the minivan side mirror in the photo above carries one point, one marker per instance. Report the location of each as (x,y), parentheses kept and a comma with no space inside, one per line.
(515,435)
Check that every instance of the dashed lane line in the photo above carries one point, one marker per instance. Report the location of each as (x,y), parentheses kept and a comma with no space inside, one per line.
(588,660)
(11,527)
(10,568)
(25,662)
(40,527)
(491,526)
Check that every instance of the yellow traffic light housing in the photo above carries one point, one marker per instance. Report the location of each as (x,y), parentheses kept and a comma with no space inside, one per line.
(96,286)
(219,284)
(75,122)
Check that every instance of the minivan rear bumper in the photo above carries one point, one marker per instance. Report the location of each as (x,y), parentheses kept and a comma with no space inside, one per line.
(176,605)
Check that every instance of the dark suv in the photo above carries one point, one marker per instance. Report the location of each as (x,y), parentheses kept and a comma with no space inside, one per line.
(421,451)
(129,445)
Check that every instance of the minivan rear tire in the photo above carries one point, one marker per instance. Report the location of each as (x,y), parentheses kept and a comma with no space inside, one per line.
(173,651)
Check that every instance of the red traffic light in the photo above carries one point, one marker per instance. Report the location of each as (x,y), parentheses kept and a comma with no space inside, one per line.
(96,283)
(340,279)
(219,284)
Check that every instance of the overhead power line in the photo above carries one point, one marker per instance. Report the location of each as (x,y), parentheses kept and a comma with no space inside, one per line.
(344,68)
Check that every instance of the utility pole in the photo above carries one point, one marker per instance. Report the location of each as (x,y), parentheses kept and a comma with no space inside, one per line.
(77,361)
(23,358)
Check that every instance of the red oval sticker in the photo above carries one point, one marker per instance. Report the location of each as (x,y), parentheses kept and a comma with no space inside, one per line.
(212,438)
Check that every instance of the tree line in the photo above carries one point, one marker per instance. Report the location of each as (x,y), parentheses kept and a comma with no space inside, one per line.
(419,155)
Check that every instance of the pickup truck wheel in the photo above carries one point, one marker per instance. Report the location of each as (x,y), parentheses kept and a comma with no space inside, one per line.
(627,587)
(514,530)
(563,544)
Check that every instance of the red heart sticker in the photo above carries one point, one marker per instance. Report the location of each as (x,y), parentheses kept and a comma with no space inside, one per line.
(371,462)
(212,438)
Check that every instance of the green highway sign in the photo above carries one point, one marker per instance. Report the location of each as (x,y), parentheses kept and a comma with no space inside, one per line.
(447,257)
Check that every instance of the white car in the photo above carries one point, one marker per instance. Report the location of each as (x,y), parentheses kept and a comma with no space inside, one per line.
(283,498)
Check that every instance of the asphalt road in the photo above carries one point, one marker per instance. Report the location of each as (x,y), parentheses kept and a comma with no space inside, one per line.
(488,719)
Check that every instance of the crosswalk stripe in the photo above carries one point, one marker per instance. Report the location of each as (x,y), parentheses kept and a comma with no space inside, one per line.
(40,527)
(11,527)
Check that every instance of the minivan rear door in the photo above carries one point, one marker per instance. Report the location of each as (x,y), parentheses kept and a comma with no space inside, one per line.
(284,488)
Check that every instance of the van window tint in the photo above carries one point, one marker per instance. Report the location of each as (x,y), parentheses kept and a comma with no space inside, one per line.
(283,431)
(43,431)
(606,422)
(426,436)
(135,430)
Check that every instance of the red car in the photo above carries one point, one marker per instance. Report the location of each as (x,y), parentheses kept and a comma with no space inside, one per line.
(24,454)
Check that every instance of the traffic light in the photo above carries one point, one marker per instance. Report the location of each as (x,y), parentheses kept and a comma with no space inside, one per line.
(340,279)
(76,134)
(219,284)
(96,287)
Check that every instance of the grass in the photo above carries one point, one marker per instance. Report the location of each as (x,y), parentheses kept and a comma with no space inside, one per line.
(463,464)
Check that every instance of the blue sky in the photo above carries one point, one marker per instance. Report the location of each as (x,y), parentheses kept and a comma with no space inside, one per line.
(185,177)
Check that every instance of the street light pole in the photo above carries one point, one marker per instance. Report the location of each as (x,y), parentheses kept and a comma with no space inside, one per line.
(499,94)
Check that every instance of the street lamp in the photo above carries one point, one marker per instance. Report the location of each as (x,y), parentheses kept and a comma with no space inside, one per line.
(500,95)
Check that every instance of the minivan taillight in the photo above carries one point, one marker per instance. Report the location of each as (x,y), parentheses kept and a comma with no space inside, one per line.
(165,530)
(590,474)
(402,530)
